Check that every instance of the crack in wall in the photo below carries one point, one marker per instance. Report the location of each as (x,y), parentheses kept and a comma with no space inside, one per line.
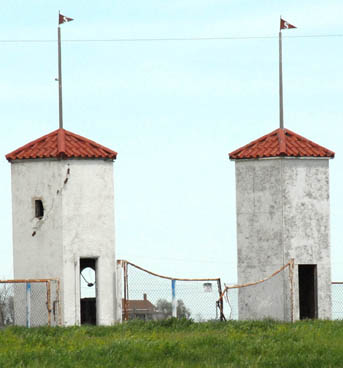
(65,181)
(38,223)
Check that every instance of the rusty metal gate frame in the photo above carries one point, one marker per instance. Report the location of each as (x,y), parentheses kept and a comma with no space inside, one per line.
(125,264)
(48,294)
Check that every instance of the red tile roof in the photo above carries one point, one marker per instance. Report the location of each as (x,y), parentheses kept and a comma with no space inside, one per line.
(139,305)
(281,143)
(61,144)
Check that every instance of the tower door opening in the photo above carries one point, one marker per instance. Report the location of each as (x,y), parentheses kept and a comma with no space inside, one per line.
(308,291)
(88,290)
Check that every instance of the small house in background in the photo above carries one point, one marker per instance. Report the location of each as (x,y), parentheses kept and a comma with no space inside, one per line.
(282,200)
(140,309)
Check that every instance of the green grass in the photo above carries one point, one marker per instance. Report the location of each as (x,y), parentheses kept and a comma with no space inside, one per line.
(174,343)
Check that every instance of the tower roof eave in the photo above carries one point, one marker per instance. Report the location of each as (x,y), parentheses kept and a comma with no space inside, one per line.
(61,144)
(281,143)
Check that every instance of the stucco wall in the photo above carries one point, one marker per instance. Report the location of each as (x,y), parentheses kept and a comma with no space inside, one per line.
(78,222)
(259,237)
(306,214)
(37,250)
(282,213)
(88,232)
(38,256)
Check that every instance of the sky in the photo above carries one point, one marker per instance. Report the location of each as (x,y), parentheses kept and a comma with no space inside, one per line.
(173,110)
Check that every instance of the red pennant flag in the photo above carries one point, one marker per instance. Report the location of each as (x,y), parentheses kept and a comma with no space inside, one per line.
(63,19)
(285,25)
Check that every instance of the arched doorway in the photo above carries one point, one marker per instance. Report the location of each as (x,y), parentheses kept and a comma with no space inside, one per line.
(88,291)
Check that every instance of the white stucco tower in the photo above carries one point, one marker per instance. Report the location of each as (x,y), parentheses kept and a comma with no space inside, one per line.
(282,200)
(63,218)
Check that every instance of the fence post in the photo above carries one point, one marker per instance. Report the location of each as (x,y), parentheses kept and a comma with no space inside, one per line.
(28,305)
(126,292)
(174,309)
(291,276)
(220,301)
(48,304)
(119,292)
(58,296)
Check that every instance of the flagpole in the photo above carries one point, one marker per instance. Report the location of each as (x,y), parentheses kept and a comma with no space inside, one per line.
(60,110)
(280,80)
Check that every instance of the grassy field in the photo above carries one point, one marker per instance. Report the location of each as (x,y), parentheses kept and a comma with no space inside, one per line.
(174,343)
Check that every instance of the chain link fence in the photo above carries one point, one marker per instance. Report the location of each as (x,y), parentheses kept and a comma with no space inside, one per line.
(255,299)
(337,300)
(231,296)
(149,296)
(30,303)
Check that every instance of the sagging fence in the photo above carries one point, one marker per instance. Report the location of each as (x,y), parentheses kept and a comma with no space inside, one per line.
(30,302)
(149,296)
(258,299)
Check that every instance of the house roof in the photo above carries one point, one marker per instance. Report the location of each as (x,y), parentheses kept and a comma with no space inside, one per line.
(281,143)
(145,305)
(62,144)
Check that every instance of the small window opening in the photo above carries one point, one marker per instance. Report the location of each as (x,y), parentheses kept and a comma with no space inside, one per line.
(39,209)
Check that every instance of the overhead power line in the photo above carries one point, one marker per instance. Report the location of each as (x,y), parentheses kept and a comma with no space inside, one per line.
(170,39)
